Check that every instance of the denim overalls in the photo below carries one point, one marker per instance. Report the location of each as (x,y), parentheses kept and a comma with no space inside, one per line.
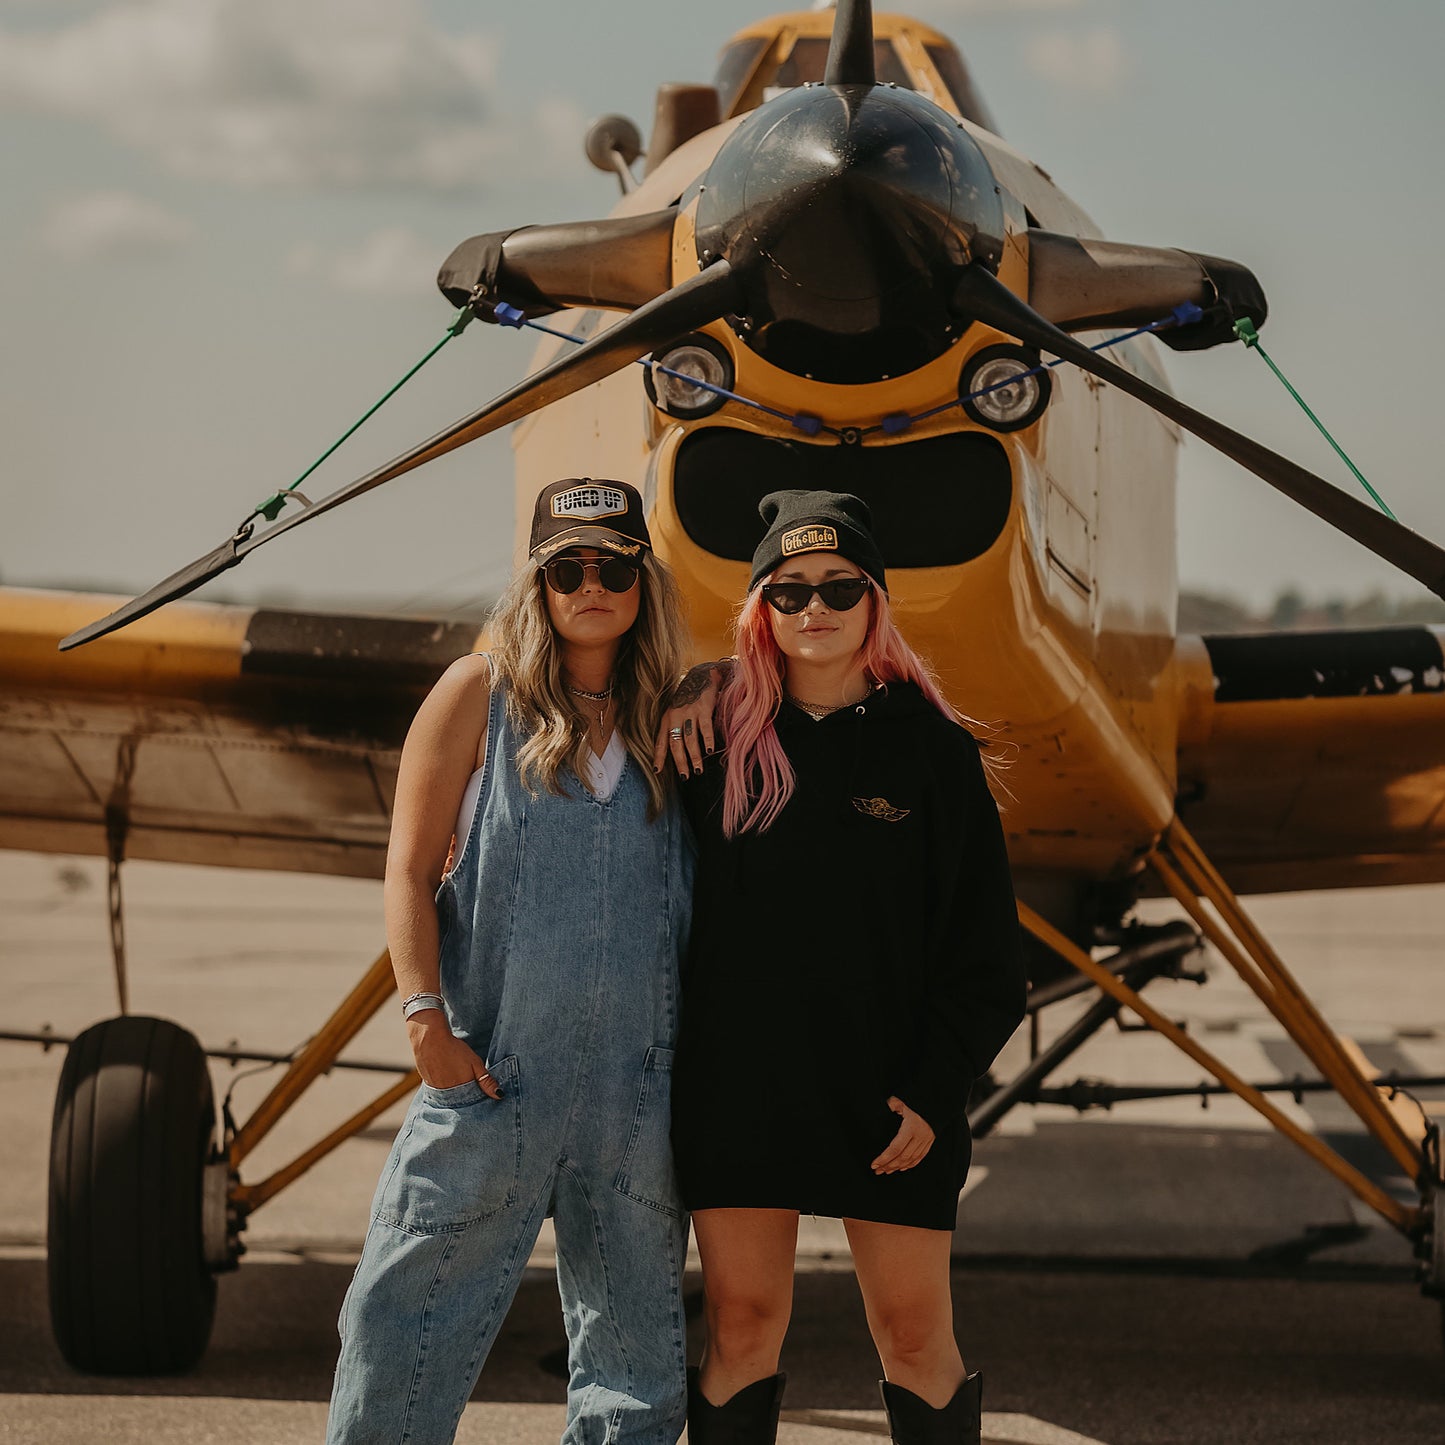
(561,924)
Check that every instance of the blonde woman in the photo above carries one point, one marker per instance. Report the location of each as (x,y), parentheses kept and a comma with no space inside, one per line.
(539,987)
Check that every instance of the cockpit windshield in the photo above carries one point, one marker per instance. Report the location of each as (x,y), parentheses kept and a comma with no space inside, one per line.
(806,61)
(734,66)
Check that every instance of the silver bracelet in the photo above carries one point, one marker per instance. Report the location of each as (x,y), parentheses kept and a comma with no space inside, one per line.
(418,1002)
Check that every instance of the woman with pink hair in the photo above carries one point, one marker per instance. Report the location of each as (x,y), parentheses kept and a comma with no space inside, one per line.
(854,966)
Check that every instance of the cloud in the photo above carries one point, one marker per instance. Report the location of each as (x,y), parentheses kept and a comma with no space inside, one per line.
(330,92)
(1094,61)
(555,134)
(394,261)
(112,224)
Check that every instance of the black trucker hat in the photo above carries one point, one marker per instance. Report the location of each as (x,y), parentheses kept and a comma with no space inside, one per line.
(583,512)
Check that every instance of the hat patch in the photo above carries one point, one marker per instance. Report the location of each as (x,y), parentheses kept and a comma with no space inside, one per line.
(815,537)
(610,541)
(589,502)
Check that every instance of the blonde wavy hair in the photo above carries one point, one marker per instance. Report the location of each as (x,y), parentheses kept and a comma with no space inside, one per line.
(527,658)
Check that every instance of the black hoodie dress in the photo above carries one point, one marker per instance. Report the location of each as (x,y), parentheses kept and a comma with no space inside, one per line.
(866,944)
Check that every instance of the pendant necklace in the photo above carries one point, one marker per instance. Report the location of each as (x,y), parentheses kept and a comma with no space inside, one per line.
(819,710)
(600,698)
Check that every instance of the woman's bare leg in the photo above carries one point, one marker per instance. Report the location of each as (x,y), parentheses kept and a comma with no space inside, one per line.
(904,1275)
(747,1273)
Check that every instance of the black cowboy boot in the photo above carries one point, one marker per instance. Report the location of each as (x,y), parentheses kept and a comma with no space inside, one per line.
(912,1421)
(749,1418)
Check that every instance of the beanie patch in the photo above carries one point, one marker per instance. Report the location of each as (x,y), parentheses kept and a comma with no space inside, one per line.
(816,537)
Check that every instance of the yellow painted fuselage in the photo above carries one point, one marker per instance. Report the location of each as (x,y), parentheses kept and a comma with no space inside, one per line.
(1059,639)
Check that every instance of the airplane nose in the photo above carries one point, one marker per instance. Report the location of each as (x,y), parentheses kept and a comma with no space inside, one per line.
(848,213)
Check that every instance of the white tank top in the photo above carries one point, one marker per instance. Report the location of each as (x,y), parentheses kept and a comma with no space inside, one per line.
(602,778)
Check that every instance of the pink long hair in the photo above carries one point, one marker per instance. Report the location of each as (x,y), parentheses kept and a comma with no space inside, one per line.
(760,778)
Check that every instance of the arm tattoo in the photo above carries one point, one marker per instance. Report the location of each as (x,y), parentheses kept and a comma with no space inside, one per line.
(691,685)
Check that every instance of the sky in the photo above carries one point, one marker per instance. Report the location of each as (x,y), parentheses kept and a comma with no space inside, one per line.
(220,221)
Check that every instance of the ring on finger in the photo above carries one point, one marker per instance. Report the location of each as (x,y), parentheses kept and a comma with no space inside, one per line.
(674,732)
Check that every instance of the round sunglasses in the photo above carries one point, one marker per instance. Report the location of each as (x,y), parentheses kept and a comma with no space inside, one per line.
(842,594)
(567,574)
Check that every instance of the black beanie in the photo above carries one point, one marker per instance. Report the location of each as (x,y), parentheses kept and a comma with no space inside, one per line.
(801,522)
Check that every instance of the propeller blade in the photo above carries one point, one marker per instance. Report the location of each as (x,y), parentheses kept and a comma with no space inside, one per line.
(618,263)
(694,303)
(983,297)
(850,51)
(176,585)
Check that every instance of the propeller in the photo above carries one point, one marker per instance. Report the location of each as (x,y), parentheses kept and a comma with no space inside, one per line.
(850,51)
(982,297)
(847,232)
(686,307)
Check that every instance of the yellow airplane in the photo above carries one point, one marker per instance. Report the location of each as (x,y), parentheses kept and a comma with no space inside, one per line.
(834,273)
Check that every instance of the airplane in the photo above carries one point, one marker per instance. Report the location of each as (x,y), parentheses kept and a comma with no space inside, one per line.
(833,272)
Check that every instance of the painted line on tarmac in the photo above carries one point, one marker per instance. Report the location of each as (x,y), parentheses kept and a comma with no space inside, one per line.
(998,1428)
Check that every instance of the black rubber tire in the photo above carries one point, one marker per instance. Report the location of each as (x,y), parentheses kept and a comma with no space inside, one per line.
(130,1293)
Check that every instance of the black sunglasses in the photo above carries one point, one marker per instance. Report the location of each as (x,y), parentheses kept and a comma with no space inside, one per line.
(567,574)
(842,594)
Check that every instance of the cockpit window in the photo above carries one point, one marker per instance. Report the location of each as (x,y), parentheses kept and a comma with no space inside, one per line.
(954,74)
(806,62)
(733,68)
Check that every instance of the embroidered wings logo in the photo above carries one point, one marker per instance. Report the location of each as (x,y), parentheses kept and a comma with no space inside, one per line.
(881,808)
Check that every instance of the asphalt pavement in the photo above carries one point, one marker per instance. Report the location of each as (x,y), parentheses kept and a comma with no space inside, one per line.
(1157,1273)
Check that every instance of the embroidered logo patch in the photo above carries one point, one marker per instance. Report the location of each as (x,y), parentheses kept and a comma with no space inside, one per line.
(815,537)
(612,544)
(881,808)
(589,502)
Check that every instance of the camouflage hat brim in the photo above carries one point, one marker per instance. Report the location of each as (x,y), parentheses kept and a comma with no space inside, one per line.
(601,537)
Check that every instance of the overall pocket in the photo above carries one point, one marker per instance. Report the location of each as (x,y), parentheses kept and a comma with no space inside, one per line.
(459,1157)
(647,1174)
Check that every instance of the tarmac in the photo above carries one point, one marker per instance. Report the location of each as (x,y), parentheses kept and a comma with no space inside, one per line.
(1161,1272)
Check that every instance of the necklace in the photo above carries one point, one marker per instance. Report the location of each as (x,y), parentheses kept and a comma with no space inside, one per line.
(819,710)
(600,698)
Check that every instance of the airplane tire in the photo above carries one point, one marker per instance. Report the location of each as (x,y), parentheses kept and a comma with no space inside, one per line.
(130,1293)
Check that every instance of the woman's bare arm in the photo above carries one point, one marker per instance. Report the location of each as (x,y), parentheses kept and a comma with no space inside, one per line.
(442,749)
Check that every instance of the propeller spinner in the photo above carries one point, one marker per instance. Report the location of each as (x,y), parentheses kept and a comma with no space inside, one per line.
(847,213)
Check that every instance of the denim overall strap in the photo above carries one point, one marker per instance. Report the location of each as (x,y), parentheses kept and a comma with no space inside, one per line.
(562,913)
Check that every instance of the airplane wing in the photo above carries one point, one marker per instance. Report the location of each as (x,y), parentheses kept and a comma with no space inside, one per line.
(1314,759)
(264,738)
(237,736)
